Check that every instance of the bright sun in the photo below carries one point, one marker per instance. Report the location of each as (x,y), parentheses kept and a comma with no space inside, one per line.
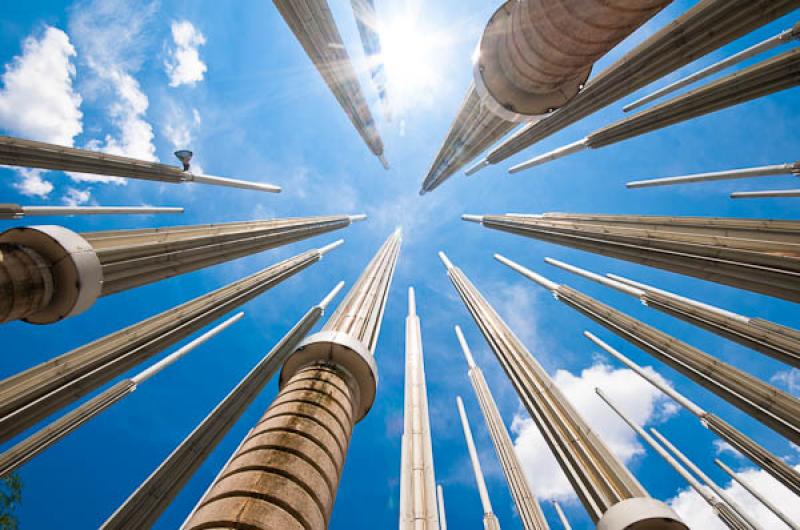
(411,55)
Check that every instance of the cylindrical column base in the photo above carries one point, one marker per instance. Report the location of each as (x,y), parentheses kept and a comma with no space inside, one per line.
(26,283)
(286,473)
(640,513)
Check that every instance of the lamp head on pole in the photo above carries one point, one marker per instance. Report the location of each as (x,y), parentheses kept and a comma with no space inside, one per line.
(185,156)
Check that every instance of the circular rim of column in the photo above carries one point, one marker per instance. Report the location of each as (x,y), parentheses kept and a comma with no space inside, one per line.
(76,269)
(522,109)
(343,350)
(641,513)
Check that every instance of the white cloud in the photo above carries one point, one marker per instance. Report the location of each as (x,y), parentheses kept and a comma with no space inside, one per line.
(32,184)
(643,403)
(697,514)
(722,447)
(109,35)
(789,379)
(184,65)
(75,197)
(38,102)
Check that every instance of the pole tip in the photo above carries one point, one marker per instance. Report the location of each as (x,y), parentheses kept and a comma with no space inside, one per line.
(327,248)
(331,295)
(477,167)
(472,218)
(412,302)
(384,162)
(447,263)
(356,218)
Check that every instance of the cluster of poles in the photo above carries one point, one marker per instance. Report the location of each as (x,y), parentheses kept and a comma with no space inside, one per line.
(520,78)
(610,494)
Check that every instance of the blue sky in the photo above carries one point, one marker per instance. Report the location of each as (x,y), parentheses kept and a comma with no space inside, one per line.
(229,80)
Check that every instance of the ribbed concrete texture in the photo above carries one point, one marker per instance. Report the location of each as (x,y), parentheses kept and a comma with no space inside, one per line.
(34,394)
(312,23)
(53,273)
(533,57)
(775,340)
(27,153)
(705,27)
(598,478)
(774,408)
(760,255)
(528,510)
(418,509)
(285,474)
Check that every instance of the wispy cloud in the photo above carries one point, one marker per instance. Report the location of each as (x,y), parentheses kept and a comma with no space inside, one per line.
(110,37)
(38,100)
(643,402)
(789,379)
(184,65)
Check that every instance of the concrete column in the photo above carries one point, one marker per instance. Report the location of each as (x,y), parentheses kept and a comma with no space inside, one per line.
(286,473)
(705,27)
(533,57)
(53,273)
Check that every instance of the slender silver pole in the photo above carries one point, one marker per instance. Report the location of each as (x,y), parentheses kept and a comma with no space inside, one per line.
(732,174)
(754,492)
(765,194)
(230,183)
(14,211)
(149,372)
(473,456)
(555,154)
(562,516)
(442,515)
(761,47)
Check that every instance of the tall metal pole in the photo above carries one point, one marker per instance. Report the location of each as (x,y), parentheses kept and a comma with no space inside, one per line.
(760,255)
(791,168)
(490,521)
(442,514)
(777,410)
(767,77)
(532,59)
(769,462)
(772,339)
(561,516)
(755,493)
(726,514)
(768,194)
(313,25)
(51,433)
(705,27)
(144,506)
(53,273)
(287,472)
(32,395)
(41,155)
(785,36)
(15,211)
(368,30)
(610,493)
(528,509)
(418,509)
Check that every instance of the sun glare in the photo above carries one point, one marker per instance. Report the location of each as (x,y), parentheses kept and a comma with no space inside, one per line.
(411,55)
